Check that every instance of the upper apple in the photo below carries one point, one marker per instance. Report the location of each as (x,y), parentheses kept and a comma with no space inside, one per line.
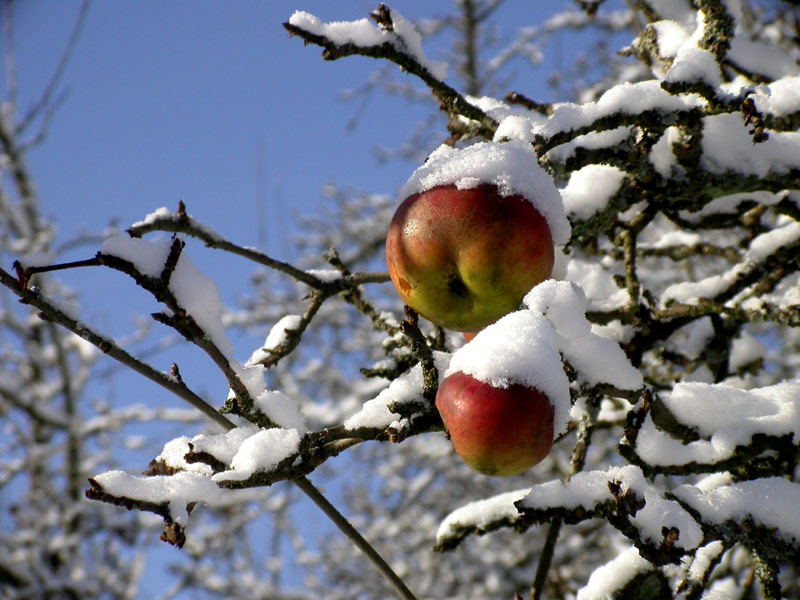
(463,258)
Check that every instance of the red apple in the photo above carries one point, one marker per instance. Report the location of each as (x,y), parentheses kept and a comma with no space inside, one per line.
(463,258)
(496,431)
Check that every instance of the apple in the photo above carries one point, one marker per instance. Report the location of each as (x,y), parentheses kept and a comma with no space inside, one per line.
(496,431)
(463,258)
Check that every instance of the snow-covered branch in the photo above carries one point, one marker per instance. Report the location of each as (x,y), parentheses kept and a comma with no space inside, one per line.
(396,40)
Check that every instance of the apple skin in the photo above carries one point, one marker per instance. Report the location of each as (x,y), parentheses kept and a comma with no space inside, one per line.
(463,258)
(495,431)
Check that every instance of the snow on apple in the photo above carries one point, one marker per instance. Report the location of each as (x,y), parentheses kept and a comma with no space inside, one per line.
(511,167)
(495,396)
(521,348)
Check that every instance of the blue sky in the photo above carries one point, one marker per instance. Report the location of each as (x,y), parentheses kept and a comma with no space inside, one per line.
(170,100)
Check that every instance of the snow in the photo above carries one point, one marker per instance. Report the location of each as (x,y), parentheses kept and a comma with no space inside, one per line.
(674,11)
(164,214)
(511,166)
(85,349)
(514,127)
(585,489)
(261,452)
(692,339)
(613,576)
(588,489)
(71,309)
(676,238)
(406,389)
(745,349)
(757,57)
(222,446)
(147,256)
(727,146)
(481,513)
(787,231)
(594,140)
(36,259)
(525,347)
(728,416)
(500,110)
(602,293)
(780,97)
(772,502)
(194,291)
(277,336)
(198,295)
(156,215)
(363,33)
(625,98)
(730,202)
(177,490)
(589,189)
(281,410)
(693,64)
(670,36)
(596,359)
(661,155)
(703,558)
(246,450)
(658,512)
(325,275)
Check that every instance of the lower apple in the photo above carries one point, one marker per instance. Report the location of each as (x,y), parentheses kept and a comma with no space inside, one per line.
(496,431)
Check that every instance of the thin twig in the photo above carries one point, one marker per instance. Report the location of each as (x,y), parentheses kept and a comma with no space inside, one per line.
(344,525)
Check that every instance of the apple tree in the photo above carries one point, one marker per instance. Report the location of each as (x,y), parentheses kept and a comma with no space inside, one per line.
(664,342)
